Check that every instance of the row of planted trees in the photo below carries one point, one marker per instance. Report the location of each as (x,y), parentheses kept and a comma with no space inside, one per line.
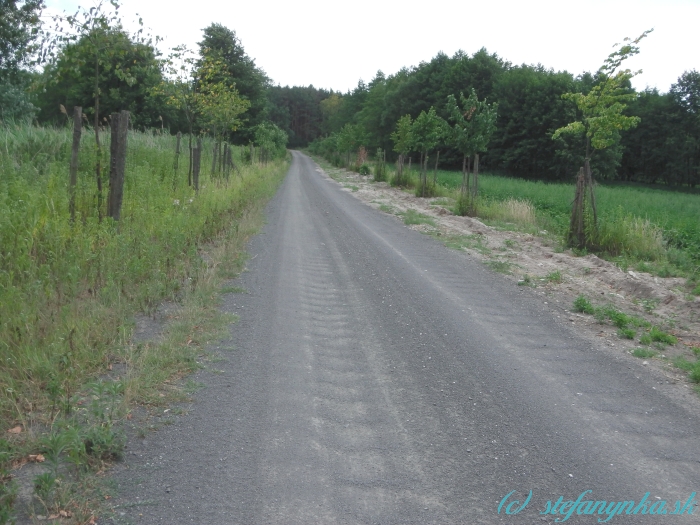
(471,123)
(468,130)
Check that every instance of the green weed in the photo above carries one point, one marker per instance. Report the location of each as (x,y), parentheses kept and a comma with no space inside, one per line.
(643,353)
(554,277)
(413,217)
(659,336)
(500,266)
(626,333)
(472,242)
(583,305)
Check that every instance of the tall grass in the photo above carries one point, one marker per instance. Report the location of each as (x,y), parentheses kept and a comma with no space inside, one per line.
(68,289)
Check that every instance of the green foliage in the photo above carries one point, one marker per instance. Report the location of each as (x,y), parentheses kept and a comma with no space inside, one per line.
(349,139)
(299,111)
(643,353)
(364,170)
(626,333)
(222,44)
(380,167)
(95,44)
(271,139)
(403,136)
(19,26)
(583,305)
(474,123)
(128,72)
(16,104)
(427,131)
(411,216)
(659,336)
(554,277)
(216,96)
(692,367)
(500,266)
(602,108)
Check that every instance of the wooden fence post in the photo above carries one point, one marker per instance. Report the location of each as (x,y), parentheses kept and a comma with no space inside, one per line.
(77,132)
(120,127)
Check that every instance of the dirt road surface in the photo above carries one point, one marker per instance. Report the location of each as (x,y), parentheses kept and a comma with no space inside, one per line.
(377,377)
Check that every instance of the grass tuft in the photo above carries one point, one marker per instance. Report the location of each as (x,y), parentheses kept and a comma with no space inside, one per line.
(643,353)
(583,305)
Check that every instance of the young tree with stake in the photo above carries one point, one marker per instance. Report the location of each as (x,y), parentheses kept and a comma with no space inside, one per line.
(474,123)
(602,120)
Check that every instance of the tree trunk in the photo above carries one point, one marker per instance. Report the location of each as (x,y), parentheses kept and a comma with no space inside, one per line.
(476,175)
(469,182)
(589,181)
(77,132)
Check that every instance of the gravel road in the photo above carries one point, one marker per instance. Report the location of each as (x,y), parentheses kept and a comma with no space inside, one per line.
(376,376)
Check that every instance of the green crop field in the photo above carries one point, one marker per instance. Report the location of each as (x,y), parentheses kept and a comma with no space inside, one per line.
(676,213)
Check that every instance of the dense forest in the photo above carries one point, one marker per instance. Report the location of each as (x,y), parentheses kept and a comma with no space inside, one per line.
(663,148)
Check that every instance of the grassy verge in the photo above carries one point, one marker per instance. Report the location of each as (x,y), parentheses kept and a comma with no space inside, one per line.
(69,291)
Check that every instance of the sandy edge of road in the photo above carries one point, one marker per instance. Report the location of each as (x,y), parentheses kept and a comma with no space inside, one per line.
(661,301)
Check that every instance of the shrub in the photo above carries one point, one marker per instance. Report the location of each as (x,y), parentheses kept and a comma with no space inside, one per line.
(363,169)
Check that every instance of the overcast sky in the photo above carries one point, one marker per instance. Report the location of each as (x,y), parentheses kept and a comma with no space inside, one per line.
(334,44)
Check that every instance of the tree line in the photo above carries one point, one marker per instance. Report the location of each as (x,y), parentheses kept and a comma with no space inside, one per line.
(663,148)
(88,59)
